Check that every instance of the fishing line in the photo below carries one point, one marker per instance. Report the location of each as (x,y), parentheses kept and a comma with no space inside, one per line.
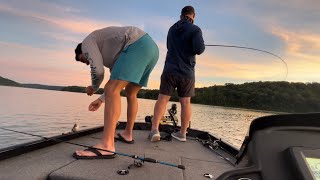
(254,49)
(144,159)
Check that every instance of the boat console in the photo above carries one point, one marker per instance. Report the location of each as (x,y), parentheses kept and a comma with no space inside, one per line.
(306,162)
(280,147)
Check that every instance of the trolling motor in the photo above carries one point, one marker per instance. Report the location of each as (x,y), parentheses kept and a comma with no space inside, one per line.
(173,109)
(166,119)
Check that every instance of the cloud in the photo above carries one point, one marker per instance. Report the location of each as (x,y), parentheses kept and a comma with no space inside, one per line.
(81,25)
(62,37)
(290,25)
(295,33)
(71,23)
(300,53)
(26,51)
(274,10)
(215,68)
(39,65)
(160,23)
(302,44)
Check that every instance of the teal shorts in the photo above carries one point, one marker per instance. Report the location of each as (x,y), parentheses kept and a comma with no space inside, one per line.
(136,62)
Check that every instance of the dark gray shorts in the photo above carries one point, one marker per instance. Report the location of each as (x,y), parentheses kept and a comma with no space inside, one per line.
(169,82)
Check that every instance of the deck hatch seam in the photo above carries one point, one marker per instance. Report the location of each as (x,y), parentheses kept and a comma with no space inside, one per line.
(60,168)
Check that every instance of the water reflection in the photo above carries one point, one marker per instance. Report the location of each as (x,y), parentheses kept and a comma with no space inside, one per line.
(50,113)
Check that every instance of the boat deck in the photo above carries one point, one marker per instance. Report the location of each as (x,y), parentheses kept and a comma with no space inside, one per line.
(56,162)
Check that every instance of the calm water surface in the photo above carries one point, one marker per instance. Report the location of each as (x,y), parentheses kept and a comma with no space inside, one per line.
(50,113)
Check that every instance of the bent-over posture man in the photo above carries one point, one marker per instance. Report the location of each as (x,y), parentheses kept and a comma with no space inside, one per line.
(184,42)
(131,55)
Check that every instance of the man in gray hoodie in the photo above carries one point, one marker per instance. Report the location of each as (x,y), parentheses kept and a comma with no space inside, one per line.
(131,55)
(184,42)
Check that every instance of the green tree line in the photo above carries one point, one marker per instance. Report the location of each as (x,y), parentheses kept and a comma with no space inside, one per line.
(270,96)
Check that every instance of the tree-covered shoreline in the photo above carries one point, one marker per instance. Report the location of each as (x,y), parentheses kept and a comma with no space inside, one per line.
(268,96)
(278,96)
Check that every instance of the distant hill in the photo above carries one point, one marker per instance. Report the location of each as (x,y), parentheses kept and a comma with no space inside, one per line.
(41,86)
(8,82)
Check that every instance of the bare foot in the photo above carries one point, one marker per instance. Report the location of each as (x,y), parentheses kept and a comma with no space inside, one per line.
(100,146)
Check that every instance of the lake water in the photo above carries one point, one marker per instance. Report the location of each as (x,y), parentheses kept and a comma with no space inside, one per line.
(50,113)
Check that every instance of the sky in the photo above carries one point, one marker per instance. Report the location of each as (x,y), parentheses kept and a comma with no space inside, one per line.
(38,38)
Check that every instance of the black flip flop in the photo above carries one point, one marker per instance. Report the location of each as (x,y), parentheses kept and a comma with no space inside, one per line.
(120,138)
(98,155)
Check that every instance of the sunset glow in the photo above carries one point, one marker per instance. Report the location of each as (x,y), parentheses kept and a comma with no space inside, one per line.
(38,38)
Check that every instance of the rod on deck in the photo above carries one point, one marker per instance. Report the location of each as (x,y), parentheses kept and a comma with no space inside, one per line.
(150,160)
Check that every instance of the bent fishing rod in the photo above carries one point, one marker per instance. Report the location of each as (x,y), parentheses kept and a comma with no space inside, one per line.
(143,159)
(254,49)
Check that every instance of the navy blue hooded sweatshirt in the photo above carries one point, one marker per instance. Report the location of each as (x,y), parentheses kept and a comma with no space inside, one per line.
(184,42)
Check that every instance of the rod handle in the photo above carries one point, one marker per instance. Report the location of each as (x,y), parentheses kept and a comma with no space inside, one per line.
(150,160)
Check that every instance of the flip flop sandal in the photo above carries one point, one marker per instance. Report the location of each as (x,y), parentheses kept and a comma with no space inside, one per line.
(98,155)
(120,138)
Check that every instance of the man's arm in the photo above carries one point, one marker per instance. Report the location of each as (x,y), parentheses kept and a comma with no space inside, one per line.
(93,55)
(197,42)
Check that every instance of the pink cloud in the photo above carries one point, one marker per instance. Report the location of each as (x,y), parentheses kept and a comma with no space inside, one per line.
(215,67)
(62,37)
(302,44)
(73,24)
(37,65)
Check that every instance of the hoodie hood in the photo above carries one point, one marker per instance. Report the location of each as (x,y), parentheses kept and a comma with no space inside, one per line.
(181,25)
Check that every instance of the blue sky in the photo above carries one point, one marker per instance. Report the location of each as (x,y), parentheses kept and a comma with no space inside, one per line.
(37,38)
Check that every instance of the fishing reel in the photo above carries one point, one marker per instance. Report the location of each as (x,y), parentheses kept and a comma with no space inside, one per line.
(136,163)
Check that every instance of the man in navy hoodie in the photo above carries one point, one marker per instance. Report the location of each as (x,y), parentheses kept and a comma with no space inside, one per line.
(184,42)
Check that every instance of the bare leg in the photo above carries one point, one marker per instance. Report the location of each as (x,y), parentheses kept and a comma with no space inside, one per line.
(111,114)
(185,114)
(132,109)
(159,110)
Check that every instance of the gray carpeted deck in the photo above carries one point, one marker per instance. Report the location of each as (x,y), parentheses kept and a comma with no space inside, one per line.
(56,162)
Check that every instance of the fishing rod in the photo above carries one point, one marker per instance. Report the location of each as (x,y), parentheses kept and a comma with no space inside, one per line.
(254,49)
(143,159)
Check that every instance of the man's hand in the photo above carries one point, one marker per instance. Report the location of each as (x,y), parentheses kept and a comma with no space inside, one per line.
(95,105)
(90,90)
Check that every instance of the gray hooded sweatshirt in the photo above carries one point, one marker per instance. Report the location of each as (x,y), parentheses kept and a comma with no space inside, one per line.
(103,47)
